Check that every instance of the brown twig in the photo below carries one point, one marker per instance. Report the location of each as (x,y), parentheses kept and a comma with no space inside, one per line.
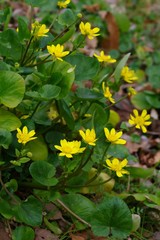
(72,213)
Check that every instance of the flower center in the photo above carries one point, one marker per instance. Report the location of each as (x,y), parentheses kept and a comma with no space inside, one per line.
(139,120)
(116,167)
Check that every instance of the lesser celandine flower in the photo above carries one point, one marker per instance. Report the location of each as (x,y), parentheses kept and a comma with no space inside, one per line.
(25,136)
(53,113)
(89,136)
(107,94)
(57,51)
(131,91)
(86,29)
(117,166)
(63,4)
(128,75)
(69,148)
(140,121)
(105,58)
(39,30)
(113,136)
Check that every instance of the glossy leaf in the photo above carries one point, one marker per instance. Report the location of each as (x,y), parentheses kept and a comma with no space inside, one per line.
(29,211)
(65,71)
(66,113)
(10,44)
(12,88)
(8,120)
(85,67)
(139,101)
(121,64)
(111,217)
(99,117)
(87,94)
(5,209)
(43,172)
(23,233)
(79,204)
(138,172)
(45,93)
(67,17)
(5,138)
(38,148)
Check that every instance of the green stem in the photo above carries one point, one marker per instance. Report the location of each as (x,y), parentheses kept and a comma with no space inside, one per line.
(6,190)
(25,53)
(119,100)
(35,109)
(100,167)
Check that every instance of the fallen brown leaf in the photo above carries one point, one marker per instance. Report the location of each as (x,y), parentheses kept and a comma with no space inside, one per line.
(112,41)
(44,234)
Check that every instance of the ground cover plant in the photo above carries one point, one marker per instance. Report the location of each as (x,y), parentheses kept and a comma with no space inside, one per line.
(79,125)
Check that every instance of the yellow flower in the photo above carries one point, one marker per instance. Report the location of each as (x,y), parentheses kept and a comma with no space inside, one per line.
(131,91)
(104,58)
(128,75)
(63,4)
(69,148)
(57,51)
(140,121)
(24,136)
(39,30)
(53,113)
(85,29)
(107,94)
(113,136)
(117,166)
(88,115)
(89,136)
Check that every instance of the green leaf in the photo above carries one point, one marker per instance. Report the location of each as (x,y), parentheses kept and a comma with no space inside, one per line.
(5,209)
(87,94)
(111,216)
(12,88)
(114,118)
(122,21)
(118,151)
(121,64)
(67,17)
(99,117)
(23,233)
(10,44)
(8,121)
(35,3)
(153,75)
(29,211)
(66,113)
(79,204)
(139,101)
(5,138)
(38,148)
(138,172)
(86,67)
(43,172)
(66,36)
(23,30)
(48,92)
(65,71)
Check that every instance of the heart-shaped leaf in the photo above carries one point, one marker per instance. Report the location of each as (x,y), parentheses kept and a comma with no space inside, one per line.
(12,88)
(43,172)
(23,232)
(112,217)
(8,120)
